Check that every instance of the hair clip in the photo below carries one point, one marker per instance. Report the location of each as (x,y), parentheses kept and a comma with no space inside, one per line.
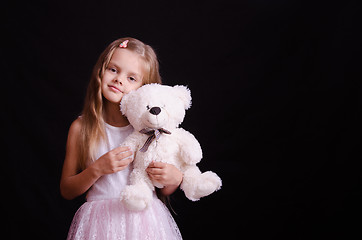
(124,44)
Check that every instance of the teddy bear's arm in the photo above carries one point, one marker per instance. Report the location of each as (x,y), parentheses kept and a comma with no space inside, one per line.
(190,149)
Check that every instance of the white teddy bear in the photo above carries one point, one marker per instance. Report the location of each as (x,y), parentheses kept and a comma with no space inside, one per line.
(155,111)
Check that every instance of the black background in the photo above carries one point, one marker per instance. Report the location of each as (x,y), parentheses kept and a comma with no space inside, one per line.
(276,107)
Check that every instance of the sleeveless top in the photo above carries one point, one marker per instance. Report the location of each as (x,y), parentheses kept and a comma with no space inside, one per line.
(109,186)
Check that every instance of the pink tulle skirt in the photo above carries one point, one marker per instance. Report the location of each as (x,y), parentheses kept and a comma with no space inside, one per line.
(109,219)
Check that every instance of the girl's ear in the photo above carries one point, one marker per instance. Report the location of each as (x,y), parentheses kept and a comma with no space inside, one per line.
(184,94)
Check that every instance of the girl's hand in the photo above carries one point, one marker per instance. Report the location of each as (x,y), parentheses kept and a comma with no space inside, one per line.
(166,174)
(113,161)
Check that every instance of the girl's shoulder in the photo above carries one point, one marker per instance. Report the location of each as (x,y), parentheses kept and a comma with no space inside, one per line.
(75,127)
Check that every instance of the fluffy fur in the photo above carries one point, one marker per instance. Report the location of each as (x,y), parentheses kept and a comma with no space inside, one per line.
(179,148)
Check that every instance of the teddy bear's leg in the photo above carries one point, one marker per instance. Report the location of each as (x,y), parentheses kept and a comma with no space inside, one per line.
(196,184)
(138,195)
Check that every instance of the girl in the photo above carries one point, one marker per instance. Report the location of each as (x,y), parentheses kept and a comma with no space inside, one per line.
(96,164)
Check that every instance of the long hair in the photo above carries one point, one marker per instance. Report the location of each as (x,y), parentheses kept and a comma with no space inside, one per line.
(92,131)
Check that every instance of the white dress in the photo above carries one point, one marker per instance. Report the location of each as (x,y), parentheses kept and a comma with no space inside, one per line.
(104,217)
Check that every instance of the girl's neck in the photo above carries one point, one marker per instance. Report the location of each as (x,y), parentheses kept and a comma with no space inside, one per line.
(113,115)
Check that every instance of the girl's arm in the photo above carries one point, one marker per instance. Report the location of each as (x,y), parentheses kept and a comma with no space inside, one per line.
(166,174)
(73,183)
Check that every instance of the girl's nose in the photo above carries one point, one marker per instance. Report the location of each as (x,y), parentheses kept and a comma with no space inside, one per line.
(118,80)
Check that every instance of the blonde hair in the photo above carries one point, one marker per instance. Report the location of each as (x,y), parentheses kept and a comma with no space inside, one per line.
(92,130)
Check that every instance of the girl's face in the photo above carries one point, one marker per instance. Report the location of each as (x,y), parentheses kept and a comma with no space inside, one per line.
(123,74)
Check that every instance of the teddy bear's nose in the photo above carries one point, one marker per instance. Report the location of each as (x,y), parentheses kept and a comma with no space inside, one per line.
(155,110)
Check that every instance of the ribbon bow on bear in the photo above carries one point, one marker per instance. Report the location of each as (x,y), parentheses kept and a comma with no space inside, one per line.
(153,134)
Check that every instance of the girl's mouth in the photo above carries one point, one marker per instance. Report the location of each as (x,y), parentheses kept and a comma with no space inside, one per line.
(115,89)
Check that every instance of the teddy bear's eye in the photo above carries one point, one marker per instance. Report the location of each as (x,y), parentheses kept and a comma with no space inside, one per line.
(148,107)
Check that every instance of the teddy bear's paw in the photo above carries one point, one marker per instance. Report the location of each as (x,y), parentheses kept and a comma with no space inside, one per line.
(135,205)
(136,198)
(200,186)
(157,184)
(209,183)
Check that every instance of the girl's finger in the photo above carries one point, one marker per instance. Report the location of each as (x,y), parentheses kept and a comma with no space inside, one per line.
(125,162)
(151,165)
(154,178)
(120,149)
(154,164)
(151,176)
(155,171)
(124,155)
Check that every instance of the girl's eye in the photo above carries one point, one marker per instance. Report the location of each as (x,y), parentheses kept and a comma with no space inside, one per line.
(113,70)
(132,79)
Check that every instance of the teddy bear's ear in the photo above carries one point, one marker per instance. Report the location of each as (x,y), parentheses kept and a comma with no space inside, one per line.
(124,102)
(184,94)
